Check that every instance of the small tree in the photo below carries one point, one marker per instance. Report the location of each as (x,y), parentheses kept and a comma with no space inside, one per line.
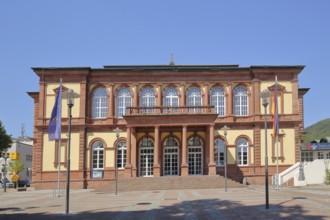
(5,139)
(15,167)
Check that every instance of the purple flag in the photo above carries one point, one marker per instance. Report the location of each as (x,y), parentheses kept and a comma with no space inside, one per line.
(54,127)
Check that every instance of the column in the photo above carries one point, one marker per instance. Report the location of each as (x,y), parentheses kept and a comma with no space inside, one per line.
(230,100)
(206,94)
(182,94)
(212,166)
(110,103)
(159,98)
(135,95)
(83,100)
(156,153)
(128,149)
(133,150)
(184,165)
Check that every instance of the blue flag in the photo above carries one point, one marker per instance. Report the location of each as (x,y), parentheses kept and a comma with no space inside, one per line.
(54,127)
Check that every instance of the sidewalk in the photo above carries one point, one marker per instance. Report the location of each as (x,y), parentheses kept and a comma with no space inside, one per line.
(242,203)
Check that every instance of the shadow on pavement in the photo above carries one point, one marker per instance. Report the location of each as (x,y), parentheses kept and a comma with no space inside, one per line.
(196,209)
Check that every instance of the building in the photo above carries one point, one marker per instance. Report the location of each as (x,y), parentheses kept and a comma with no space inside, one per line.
(170,120)
(20,149)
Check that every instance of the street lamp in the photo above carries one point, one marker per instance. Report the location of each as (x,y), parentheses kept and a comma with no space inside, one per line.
(300,140)
(264,95)
(70,105)
(225,128)
(5,172)
(116,162)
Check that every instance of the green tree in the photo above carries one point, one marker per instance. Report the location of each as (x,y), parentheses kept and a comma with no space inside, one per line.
(15,166)
(5,139)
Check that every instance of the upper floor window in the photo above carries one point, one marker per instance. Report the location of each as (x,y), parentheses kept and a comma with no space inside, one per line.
(121,154)
(147,99)
(194,97)
(171,97)
(124,99)
(242,151)
(218,100)
(219,152)
(100,103)
(240,101)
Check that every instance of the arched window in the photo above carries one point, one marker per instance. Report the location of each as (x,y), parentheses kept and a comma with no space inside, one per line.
(97,159)
(242,151)
(121,154)
(171,97)
(240,101)
(218,100)
(219,152)
(147,99)
(194,99)
(100,103)
(124,99)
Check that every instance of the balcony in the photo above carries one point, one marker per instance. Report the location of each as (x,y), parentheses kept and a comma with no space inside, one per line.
(174,116)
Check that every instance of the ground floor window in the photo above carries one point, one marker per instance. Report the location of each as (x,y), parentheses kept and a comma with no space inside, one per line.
(98,159)
(219,152)
(121,154)
(242,152)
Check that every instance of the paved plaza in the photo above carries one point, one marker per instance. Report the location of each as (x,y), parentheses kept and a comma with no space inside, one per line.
(312,202)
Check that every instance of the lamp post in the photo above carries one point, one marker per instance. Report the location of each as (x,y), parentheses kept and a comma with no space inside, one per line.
(70,105)
(4,173)
(264,95)
(300,140)
(116,162)
(225,128)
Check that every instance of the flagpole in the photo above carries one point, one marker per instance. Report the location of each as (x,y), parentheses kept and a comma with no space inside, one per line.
(59,150)
(277,128)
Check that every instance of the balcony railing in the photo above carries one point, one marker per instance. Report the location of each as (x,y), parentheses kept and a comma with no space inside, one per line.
(167,110)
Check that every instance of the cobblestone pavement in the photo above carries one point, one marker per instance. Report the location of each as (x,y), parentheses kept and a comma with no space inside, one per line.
(312,202)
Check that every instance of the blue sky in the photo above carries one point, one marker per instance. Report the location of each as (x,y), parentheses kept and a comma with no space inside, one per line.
(41,33)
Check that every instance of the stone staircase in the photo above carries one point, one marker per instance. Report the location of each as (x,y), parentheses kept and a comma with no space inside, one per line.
(170,182)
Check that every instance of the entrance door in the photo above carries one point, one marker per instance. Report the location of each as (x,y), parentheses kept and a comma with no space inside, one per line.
(146,157)
(171,161)
(195,161)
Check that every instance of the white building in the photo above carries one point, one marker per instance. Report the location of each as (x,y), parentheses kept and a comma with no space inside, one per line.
(22,146)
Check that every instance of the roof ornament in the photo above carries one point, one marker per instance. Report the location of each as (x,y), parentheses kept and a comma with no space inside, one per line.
(172,60)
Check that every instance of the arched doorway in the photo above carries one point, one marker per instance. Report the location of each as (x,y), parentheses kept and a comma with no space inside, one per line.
(195,156)
(171,157)
(146,157)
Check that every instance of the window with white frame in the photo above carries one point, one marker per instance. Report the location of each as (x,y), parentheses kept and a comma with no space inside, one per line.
(147,99)
(218,100)
(97,159)
(240,101)
(100,103)
(124,99)
(171,97)
(242,151)
(219,152)
(194,99)
(121,154)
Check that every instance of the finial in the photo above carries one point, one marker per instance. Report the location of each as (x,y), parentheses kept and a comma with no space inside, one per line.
(172,60)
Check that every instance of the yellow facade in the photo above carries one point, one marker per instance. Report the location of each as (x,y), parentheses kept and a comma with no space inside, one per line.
(51,96)
(49,149)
